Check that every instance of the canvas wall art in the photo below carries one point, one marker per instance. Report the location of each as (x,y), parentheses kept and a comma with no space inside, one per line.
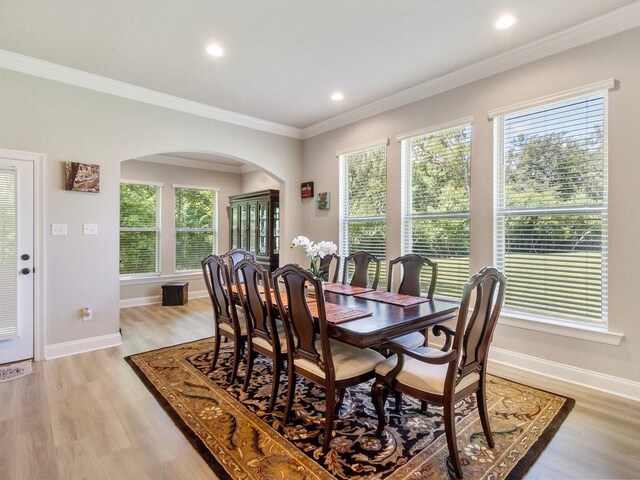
(81,177)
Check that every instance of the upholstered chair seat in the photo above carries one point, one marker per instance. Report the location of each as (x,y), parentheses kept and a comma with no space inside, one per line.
(411,341)
(282,337)
(348,361)
(429,379)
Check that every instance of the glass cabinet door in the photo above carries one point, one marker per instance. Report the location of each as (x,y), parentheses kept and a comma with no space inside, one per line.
(276,227)
(243,227)
(234,227)
(252,227)
(263,227)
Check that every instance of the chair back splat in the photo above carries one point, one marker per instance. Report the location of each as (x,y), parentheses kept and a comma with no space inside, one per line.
(254,288)
(412,265)
(360,277)
(325,265)
(233,257)
(216,277)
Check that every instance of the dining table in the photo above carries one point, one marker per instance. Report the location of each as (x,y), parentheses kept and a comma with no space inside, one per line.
(387,321)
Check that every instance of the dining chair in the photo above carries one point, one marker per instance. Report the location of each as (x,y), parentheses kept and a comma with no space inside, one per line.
(411,284)
(327,263)
(360,277)
(265,334)
(233,257)
(312,354)
(454,372)
(217,278)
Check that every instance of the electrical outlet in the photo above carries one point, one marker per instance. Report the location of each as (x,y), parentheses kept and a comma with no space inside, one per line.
(86,313)
(58,229)
(89,228)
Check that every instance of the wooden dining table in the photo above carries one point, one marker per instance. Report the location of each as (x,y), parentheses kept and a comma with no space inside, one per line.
(387,321)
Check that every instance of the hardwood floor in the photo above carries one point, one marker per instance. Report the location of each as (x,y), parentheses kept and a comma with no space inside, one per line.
(89,417)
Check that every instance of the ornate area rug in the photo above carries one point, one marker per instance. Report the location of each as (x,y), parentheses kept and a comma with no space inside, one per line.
(240,440)
(15,370)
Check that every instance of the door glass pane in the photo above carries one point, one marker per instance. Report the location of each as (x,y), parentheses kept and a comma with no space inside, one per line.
(8,255)
(262,227)
(234,227)
(252,227)
(243,227)
(276,228)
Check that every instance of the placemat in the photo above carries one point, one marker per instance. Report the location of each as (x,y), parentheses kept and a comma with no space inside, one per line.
(393,298)
(344,289)
(338,313)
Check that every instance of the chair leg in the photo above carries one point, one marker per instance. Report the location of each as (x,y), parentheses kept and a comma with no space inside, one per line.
(484,416)
(379,392)
(341,393)
(216,350)
(328,419)
(450,431)
(398,407)
(291,390)
(237,352)
(275,383)
(250,357)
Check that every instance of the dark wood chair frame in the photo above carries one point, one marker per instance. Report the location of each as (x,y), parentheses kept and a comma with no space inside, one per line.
(216,277)
(360,277)
(302,331)
(233,257)
(464,352)
(259,314)
(325,265)
(412,265)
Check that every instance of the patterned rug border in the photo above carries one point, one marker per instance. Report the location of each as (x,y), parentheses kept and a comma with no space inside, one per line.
(517,472)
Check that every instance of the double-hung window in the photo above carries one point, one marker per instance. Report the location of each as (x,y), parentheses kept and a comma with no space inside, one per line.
(436,186)
(139,228)
(363,203)
(196,226)
(551,208)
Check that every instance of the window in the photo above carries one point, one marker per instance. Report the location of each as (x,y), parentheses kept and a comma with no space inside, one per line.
(363,203)
(551,208)
(139,228)
(196,226)
(436,185)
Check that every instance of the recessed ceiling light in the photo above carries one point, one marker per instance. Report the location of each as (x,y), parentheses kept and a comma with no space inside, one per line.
(337,96)
(215,50)
(504,22)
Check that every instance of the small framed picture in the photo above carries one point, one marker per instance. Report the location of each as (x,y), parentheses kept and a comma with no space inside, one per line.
(81,177)
(306,190)
(324,201)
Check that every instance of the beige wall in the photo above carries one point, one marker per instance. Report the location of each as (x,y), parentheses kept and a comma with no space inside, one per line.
(258,180)
(67,123)
(615,57)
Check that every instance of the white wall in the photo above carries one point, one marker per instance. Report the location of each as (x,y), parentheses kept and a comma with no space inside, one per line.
(67,123)
(613,57)
(257,180)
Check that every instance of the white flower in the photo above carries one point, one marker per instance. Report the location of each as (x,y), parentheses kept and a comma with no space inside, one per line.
(301,241)
(326,248)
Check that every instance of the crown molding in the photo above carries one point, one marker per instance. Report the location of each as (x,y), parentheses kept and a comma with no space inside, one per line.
(201,164)
(614,22)
(79,78)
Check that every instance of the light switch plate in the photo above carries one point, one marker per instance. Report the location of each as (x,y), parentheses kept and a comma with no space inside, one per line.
(89,228)
(58,229)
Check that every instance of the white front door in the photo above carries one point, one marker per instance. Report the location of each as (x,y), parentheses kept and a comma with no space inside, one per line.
(16,260)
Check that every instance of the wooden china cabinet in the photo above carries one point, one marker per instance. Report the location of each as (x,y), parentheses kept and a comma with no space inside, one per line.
(254,220)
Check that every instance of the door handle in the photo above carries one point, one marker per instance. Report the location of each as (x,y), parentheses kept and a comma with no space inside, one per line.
(25,271)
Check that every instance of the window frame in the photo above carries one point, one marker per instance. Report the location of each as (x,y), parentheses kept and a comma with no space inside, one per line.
(344,219)
(158,229)
(589,330)
(177,230)
(406,176)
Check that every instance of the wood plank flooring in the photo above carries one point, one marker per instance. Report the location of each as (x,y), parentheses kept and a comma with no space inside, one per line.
(88,416)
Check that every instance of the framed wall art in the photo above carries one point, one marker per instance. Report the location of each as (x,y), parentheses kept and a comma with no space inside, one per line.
(81,177)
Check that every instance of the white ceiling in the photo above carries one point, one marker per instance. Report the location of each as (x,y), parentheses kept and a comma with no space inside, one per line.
(284,57)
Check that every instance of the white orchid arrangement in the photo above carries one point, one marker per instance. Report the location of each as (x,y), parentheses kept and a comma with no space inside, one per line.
(315,251)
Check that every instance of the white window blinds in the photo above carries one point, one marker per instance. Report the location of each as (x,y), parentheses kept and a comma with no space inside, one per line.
(139,229)
(551,208)
(363,204)
(8,255)
(436,184)
(195,211)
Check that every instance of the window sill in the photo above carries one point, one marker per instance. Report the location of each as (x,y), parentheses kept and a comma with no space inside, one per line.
(195,275)
(556,327)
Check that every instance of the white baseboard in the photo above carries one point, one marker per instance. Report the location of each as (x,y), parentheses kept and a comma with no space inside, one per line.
(136,302)
(502,362)
(83,345)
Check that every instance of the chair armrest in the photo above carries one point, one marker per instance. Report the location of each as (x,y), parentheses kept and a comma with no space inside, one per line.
(448,333)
